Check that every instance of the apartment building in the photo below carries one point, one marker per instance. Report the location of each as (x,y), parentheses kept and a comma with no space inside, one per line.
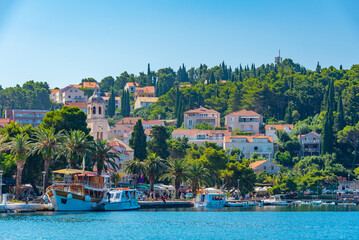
(148,91)
(247,121)
(117,101)
(200,136)
(265,165)
(67,94)
(310,144)
(130,87)
(26,116)
(199,115)
(271,128)
(144,101)
(259,144)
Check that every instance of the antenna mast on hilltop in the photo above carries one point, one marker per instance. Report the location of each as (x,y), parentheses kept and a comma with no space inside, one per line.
(278,59)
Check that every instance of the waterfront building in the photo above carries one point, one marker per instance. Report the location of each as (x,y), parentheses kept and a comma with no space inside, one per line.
(199,115)
(247,121)
(144,101)
(265,165)
(310,144)
(96,120)
(271,128)
(26,116)
(259,144)
(200,136)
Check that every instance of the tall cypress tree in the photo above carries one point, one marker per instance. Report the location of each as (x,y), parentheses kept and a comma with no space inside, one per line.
(111,107)
(212,80)
(328,136)
(288,114)
(319,68)
(149,76)
(339,123)
(138,141)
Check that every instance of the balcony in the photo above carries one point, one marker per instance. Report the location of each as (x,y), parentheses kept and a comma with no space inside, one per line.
(310,141)
(209,138)
(316,150)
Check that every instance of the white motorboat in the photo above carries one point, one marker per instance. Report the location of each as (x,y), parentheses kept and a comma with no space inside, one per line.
(276,200)
(120,199)
(316,202)
(237,204)
(210,197)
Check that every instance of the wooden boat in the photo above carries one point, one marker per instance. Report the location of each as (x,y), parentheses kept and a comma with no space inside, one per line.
(79,191)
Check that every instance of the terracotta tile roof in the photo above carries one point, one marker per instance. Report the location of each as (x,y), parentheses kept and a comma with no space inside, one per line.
(243,113)
(302,135)
(76,86)
(128,120)
(90,85)
(118,143)
(257,163)
(107,98)
(279,126)
(76,104)
(54,90)
(201,110)
(147,99)
(249,138)
(131,84)
(148,132)
(152,122)
(148,89)
(194,132)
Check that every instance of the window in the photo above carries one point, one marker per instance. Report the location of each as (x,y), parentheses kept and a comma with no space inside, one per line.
(70,90)
(28,114)
(18,114)
(69,96)
(232,119)
(190,122)
(39,115)
(99,111)
(94,111)
(75,90)
(272,128)
(272,167)
(265,168)
(255,148)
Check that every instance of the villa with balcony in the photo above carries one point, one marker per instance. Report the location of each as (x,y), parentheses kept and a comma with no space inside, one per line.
(200,136)
(200,115)
(247,121)
(259,144)
(310,144)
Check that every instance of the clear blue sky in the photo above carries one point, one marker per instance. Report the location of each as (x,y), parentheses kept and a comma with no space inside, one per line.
(63,41)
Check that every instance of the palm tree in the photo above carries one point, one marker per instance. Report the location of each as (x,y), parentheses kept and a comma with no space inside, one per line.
(46,142)
(116,177)
(154,166)
(198,175)
(19,147)
(134,167)
(75,146)
(177,171)
(103,154)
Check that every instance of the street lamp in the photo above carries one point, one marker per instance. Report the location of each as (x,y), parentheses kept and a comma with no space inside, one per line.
(43,182)
(1,172)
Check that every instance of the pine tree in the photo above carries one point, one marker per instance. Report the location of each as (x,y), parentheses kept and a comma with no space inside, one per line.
(339,123)
(340,67)
(234,99)
(138,141)
(111,107)
(212,80)
(288,114)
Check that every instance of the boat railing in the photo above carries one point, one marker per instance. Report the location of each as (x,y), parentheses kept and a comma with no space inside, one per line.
(78,183)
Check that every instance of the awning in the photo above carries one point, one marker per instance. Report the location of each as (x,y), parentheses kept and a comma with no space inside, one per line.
(69,171)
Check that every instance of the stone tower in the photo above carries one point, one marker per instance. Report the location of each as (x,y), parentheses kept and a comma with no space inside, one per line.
(96,120)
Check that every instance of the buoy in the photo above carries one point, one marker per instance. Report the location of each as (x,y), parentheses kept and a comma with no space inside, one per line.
(69,196)
(87,198)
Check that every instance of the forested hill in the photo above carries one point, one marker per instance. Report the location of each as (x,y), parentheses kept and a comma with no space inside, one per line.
(31,95)
(272,90)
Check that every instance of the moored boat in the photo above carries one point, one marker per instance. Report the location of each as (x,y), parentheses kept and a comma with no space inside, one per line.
(210,197)
(79,191)
(277,200)
(120,199)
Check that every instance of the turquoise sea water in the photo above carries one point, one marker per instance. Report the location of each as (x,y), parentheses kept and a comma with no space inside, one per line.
(307,222)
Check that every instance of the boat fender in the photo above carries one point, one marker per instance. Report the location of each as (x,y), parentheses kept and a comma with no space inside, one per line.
(87,198)
(69,196)
(45,197)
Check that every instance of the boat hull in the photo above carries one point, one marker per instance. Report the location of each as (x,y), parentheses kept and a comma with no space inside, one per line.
(215,204)
(61,201)
(121,206)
